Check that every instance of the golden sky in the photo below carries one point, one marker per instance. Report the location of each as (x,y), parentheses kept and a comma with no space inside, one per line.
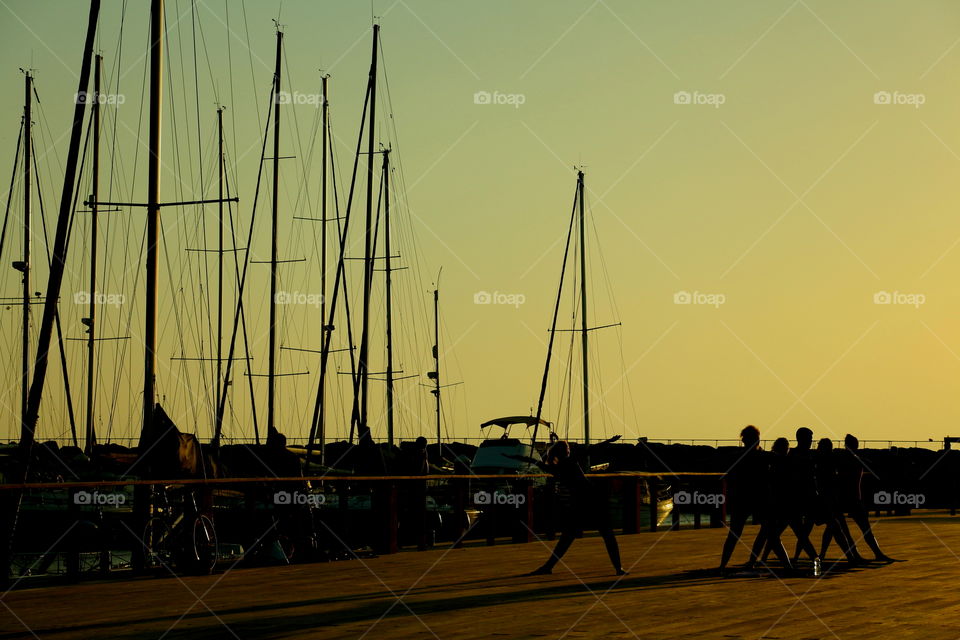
(790,165)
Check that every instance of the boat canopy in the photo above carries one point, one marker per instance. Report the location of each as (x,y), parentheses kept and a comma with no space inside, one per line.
(504,423)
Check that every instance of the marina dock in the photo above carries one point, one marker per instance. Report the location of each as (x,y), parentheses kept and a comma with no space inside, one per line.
(479,591)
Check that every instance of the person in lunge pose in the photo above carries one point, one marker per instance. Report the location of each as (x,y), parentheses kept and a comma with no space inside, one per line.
(584,510)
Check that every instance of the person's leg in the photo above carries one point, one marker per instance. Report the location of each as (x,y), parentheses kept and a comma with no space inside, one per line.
(803,538)
(563,544)
(613,549)
(774,542)
(796,526)
(737,522)
(759,543)
(853,554)
(862,518)
(825,541)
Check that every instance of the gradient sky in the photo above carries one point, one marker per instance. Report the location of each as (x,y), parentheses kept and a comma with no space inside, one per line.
(798,200)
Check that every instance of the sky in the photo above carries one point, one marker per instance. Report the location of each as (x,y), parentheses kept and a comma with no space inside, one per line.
(770,209)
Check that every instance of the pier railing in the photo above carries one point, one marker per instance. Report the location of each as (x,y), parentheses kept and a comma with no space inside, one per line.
(90,527)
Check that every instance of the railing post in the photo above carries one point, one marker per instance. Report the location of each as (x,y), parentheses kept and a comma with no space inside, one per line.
(419,492)
(385,499)
(652,486)
(523,513)
(631,500)
(72,539)
(459,511)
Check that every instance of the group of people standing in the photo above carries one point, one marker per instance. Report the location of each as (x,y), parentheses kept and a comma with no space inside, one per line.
(799,487)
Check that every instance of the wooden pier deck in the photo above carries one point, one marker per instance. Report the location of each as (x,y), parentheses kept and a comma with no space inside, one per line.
(478,593)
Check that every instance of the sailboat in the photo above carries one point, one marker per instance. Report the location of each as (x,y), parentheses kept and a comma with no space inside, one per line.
(492,457)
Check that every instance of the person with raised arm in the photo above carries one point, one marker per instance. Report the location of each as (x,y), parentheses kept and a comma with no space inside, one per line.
(585,508)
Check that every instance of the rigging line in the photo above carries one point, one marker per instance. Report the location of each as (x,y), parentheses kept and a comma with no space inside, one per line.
(131,421)
(243,317)
(403,200)
(346,298)
(253,76)
(63,353)
(13,179)
(178,183)
(556,308)
(200,211)
(233,103)
(206,55)
(243,278)
(336,283)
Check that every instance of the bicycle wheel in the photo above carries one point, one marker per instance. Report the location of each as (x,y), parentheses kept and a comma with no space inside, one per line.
(158,543)
(204,546)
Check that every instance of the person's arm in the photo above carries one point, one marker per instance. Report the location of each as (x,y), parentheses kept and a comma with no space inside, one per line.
(539,463)
(607,441)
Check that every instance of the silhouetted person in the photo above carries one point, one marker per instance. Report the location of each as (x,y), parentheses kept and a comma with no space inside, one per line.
(774,512)
(850,470)
(803,493)
(585,509)
(828,491)
(418,464)
(746,492)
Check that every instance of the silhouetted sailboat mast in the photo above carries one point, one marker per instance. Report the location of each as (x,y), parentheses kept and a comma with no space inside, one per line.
(24,266)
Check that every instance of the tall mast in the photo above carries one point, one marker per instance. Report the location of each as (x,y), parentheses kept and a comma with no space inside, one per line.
(436,353)
(320,420)
(90,438)
(219,382)
(27,144)
(363,429)
(388,288)
(59,256)
(153,213)
(583,316)
(271,384)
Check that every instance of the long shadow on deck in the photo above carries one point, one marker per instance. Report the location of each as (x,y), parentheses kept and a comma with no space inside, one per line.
(381,605)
